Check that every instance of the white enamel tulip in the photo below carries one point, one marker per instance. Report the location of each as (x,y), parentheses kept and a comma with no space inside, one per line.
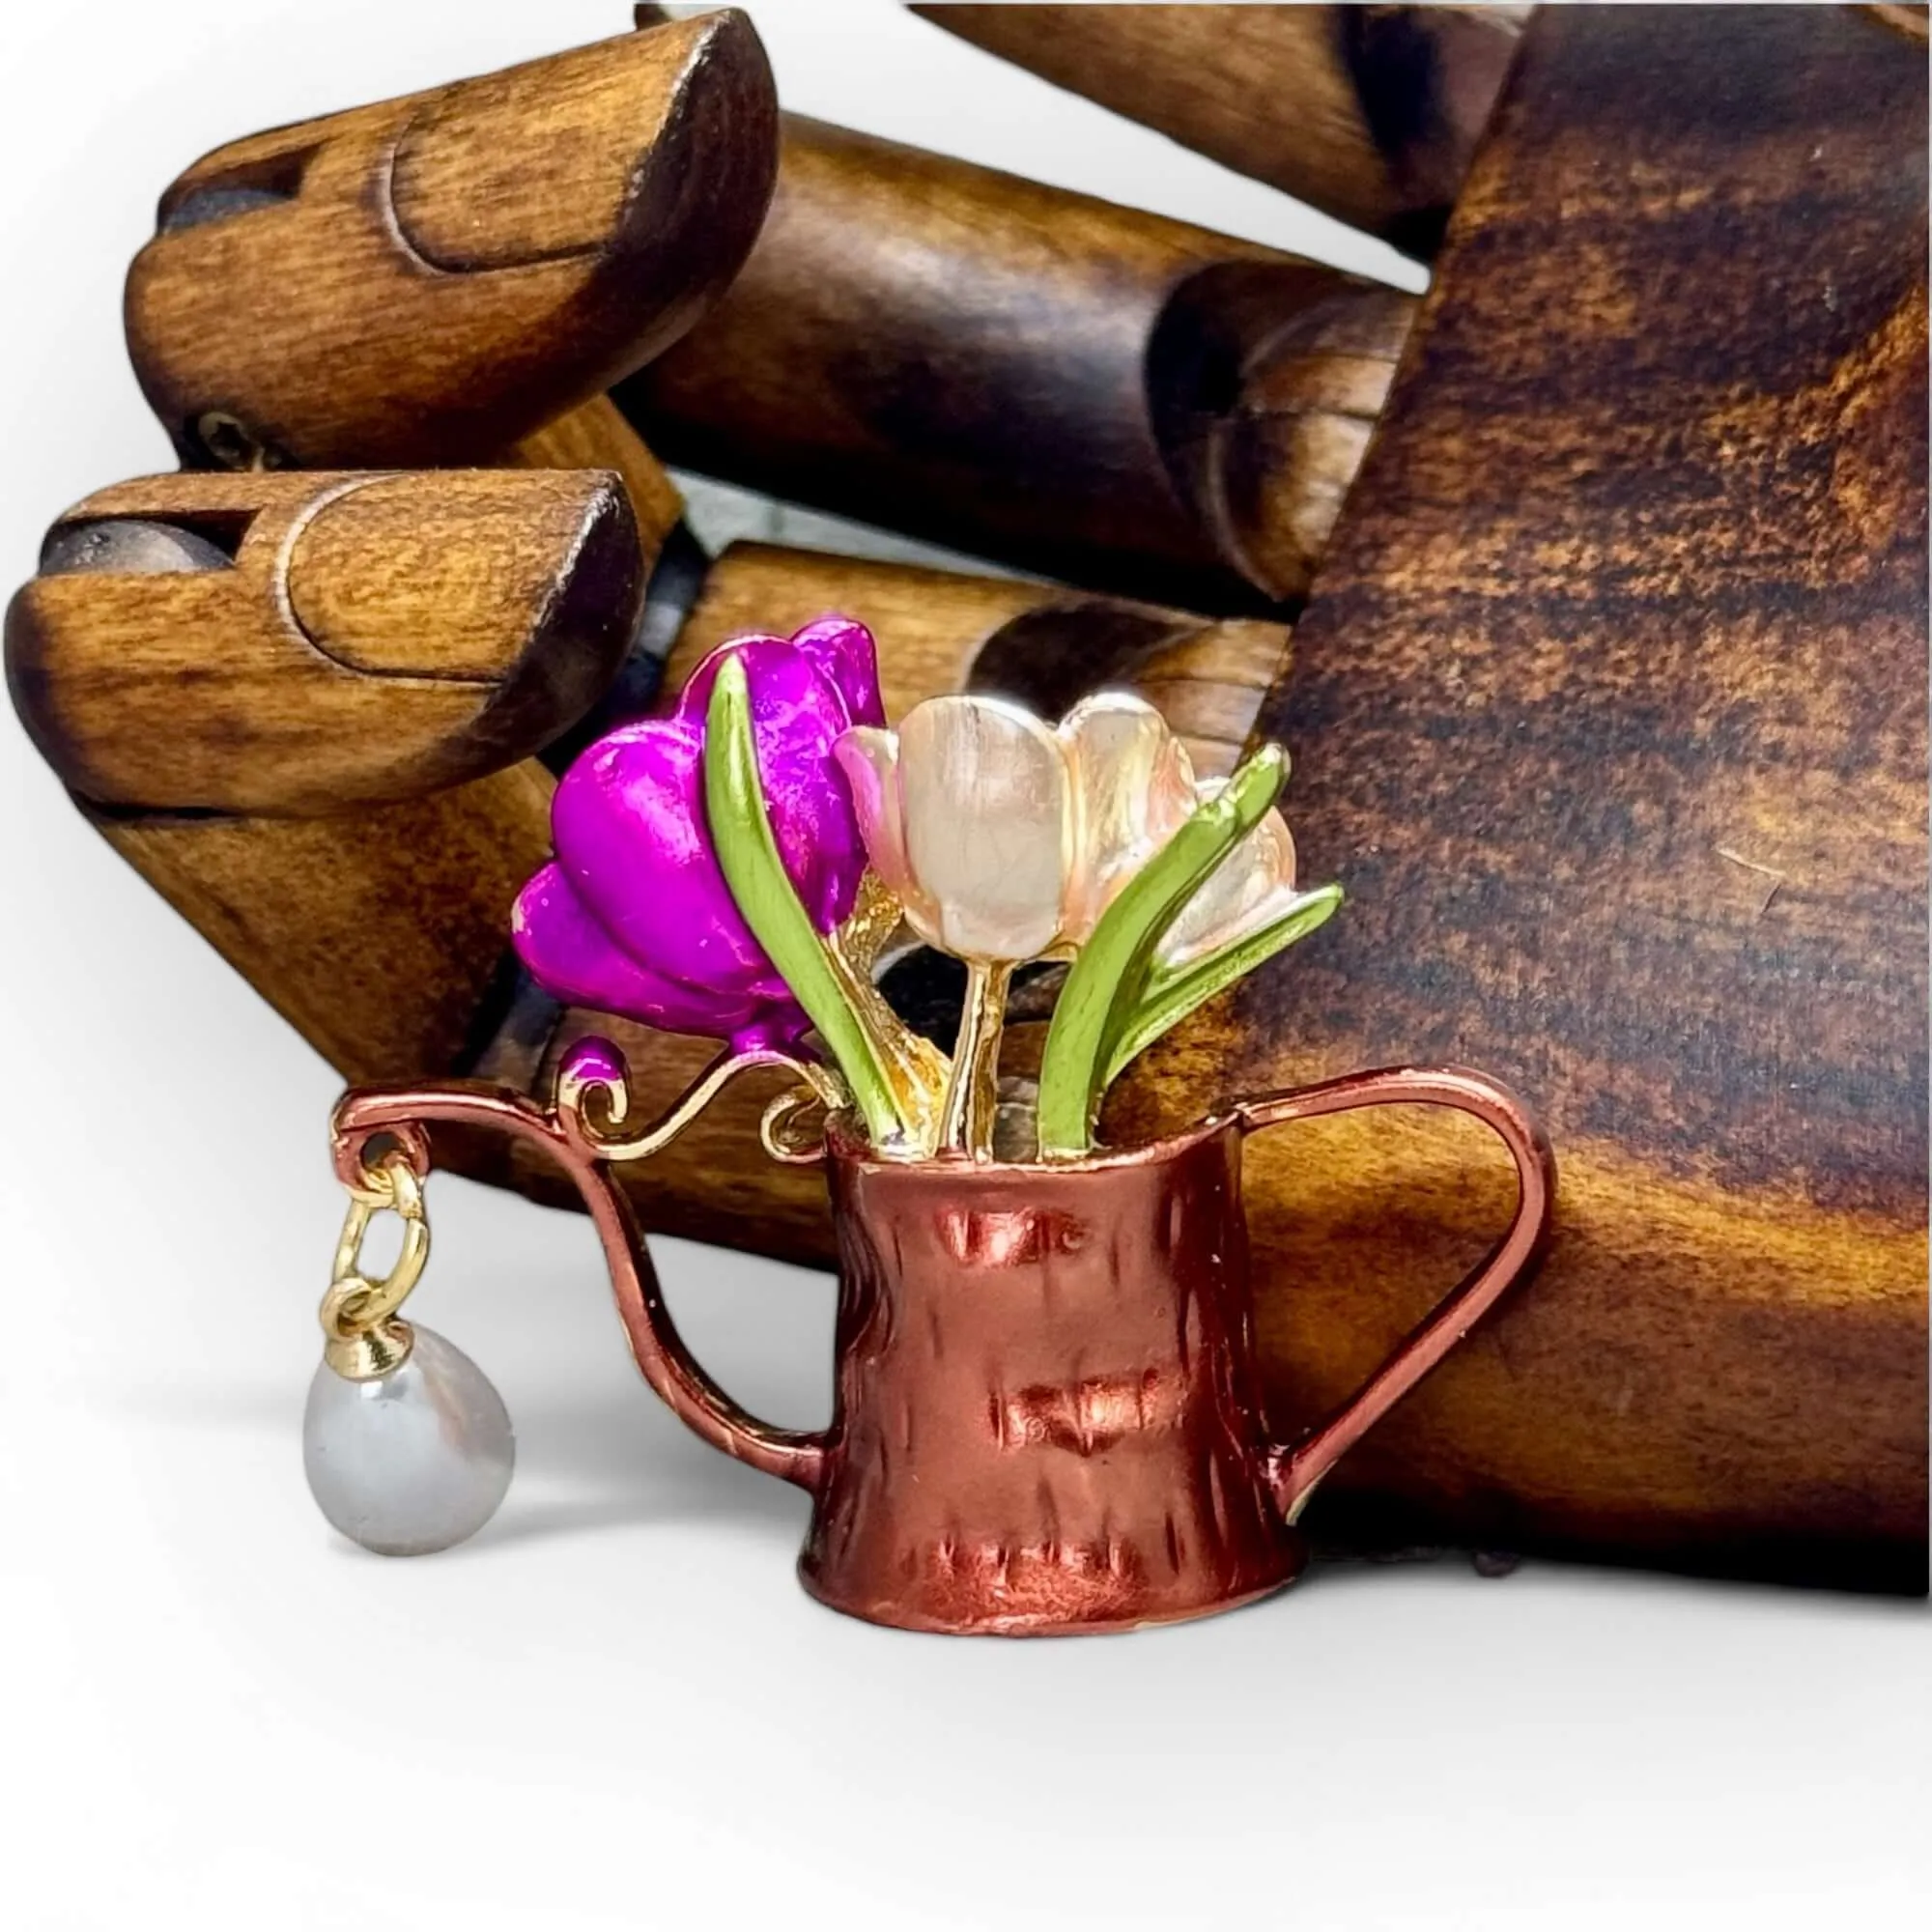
(966,811)
(1133,787)
(1251,888)
(1003,838)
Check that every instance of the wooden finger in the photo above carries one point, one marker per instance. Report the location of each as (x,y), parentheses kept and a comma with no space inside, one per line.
(1077,388)
(1370,113)
(307,644)
(595,435)
(304,708)
(433,279)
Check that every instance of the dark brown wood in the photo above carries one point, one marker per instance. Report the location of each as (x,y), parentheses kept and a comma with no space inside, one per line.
(595,435)
(1070,387)
(346,640)
(1610,710)
(261,707)
(433,279)
(1368,112)
(445,277)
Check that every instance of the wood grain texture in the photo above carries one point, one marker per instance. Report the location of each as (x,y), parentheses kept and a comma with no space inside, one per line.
(596,437)
(1073,387)
(1370,113)
(378,935)
(432,278)
(350,640)
(1611,712)
(929,624)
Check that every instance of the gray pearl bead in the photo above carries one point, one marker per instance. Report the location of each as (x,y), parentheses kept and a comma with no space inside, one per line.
(414,1460)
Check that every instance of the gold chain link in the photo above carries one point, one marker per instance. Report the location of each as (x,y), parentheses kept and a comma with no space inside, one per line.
(363,1339)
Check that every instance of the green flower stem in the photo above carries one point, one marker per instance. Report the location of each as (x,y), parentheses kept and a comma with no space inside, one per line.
(748,854)
(1108,978)
(1174,992)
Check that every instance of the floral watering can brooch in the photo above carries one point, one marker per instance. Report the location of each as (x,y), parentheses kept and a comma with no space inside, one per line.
(1046,1416)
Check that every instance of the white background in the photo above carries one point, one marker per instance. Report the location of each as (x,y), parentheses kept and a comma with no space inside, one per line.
(617,1707)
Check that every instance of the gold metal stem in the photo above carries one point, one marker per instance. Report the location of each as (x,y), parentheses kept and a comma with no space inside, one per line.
(914,1067)
(966,1123)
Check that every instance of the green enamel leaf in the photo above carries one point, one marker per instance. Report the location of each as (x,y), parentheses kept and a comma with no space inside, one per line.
(748,854)
(1172,994)
(1112,968)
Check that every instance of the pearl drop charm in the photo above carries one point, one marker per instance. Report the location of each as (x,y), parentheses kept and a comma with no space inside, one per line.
(413,1460)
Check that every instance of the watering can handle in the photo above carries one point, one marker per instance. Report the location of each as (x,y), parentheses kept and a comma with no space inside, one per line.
(1294,1469)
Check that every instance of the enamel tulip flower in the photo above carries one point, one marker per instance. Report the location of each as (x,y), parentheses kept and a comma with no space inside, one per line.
(635,916)
(711,877)
(1250,890)
(1006,840)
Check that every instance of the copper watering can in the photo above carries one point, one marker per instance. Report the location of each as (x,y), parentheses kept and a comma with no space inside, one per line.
(1046,1417)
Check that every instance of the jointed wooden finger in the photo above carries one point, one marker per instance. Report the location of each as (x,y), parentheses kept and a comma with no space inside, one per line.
(306,643)
(1078,388)
(1369,112)
(304,707)
(376,934)
(431,279)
